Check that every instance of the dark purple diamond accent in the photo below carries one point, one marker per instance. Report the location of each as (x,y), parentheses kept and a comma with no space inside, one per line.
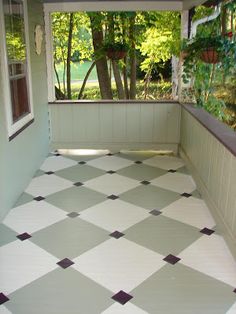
(49,172)
(73,215)
(81,162)
(78,184)
(122,297)
(116,234)
(171,259)
(186,194)
(234,291)
(24,236)
(113,197)
(207,231)
(111,172)
(110,154)
(64,263)
(145,182)
(172,170)
(138,162)
(3,298)
(57,154)
(39,198)
(155,212)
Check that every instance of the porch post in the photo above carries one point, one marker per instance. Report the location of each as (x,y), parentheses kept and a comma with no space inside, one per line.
(184,34)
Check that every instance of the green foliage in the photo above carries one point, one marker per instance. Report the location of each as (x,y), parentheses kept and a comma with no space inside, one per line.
(161,38)
(16,48)
(157,90)
(116,46)
(207,80)
(201,12)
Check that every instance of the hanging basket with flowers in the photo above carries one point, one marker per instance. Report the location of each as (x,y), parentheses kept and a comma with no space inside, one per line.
(116,50)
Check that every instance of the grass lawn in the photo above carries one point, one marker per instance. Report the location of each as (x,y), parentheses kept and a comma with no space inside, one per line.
(78,71)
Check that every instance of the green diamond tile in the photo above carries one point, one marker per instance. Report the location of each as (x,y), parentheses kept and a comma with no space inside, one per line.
(23,199)
(163,235)
(141,172)
(6,235)
(136,155)
(80,173)
(60,292)
(181,290)
(75,199)
(83,157)
(150,197)
(69,238)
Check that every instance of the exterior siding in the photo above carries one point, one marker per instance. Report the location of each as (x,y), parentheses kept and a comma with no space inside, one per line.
(115,125)
(20,157)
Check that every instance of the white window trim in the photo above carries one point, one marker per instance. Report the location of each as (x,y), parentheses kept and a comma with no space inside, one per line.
(49,8)
(13,128)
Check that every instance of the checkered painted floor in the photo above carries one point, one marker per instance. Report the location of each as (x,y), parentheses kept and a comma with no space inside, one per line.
(120,233)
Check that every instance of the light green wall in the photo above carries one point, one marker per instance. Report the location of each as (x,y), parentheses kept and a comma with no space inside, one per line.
(115,126)
(21,157)
(214,169)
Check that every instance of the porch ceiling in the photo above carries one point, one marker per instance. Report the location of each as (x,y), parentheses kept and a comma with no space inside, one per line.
(139,4)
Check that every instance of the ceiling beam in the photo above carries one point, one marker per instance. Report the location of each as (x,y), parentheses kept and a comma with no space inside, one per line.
(125,5)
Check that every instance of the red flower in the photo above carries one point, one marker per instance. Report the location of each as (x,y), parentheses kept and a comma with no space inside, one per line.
(229,34)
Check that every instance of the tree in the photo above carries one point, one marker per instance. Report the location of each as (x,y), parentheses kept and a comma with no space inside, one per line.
(101,62)
(67,39)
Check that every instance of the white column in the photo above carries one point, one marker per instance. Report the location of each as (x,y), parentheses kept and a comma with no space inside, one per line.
(184,34)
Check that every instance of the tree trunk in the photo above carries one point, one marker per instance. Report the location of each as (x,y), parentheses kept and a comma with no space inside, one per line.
(101,62)
(125,66)
(68,60)
(119,84)
(57,76)
(132,58)
(59,94)
(175,76)
(125,78)
(85,80)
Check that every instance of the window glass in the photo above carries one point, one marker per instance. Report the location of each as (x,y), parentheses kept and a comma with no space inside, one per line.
(17,57)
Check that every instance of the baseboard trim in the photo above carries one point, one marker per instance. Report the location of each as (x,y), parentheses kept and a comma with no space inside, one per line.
(173,147)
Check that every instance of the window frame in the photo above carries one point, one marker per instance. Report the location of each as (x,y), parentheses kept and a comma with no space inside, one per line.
(14,128)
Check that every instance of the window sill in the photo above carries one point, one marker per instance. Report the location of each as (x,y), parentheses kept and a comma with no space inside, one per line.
(20,130)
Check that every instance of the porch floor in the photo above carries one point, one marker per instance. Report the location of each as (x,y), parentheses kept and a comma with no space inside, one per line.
(119,233)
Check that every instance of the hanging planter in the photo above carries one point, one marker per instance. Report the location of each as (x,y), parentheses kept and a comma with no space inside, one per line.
(210,55)
(116,51)
(116,54)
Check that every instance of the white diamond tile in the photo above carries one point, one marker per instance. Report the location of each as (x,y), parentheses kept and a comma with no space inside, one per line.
(119,264)
(192,211)
(114,215)
(211,256)
(47,184)
(127,308)
(176,182)
(110,163)
(21,262)
(111,184)
(33,216)
(165,162)
(232,310)
(55,163)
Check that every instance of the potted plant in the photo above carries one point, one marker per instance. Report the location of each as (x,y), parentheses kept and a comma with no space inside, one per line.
(209,50)
(116,50)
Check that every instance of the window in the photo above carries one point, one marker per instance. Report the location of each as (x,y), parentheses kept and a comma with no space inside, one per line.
(15,60)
